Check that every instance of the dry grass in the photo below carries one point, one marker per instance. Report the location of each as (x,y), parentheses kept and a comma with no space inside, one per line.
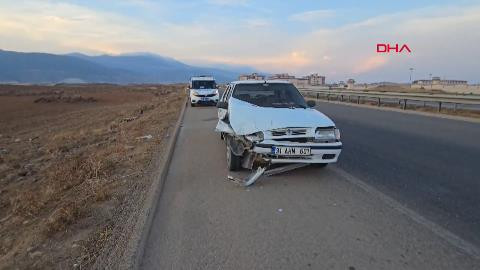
(66,167)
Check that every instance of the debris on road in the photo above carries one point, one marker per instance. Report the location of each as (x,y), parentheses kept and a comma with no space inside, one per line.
(255,175)
(284,169)
(250,179)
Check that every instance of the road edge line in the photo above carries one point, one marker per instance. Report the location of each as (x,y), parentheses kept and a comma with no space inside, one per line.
(143,225)
(438,230)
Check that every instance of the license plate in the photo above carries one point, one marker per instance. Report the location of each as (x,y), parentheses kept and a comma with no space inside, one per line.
(204,99)
(291,151)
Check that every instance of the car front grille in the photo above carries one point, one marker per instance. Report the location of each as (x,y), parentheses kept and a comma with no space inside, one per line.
(304,140)
(297,140)
(209,95)
(289,132)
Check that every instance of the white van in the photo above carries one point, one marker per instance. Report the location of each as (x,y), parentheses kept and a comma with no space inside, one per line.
(203,90)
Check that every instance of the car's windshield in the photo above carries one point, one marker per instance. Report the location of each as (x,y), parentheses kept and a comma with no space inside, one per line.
(203,84)
(278,95)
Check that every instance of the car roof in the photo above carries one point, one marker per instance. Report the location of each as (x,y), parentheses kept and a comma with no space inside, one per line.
(260,81)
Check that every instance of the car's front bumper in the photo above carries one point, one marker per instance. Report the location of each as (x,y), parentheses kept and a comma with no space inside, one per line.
(204,100)
(320,152)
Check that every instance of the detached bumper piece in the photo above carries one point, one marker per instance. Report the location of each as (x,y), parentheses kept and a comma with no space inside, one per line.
(252,178)
(255,175)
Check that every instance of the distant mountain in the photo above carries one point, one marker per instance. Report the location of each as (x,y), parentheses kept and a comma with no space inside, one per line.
(48,68)
(75,67)
(240,69)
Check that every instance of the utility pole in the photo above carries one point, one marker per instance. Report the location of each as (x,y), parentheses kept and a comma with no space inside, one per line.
(411,72)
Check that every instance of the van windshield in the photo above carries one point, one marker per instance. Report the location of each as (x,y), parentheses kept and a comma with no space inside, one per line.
(203,85)
(277,95)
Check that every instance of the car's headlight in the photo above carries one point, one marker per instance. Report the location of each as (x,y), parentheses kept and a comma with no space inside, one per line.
(255,137)
(216,91)
(323,134)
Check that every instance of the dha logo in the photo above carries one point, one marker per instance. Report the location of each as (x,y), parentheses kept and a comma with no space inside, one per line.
(386,48)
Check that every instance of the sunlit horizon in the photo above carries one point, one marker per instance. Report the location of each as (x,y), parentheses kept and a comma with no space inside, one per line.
(333,39)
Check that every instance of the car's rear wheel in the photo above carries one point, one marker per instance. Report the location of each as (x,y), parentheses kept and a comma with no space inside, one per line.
(233,162)
(192,104)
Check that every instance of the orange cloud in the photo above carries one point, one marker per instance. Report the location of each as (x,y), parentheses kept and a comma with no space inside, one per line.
(370,63)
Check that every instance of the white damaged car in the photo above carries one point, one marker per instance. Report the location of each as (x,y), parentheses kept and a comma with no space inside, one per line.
(268,122)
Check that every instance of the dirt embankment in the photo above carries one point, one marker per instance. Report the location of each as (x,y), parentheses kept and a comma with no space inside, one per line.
(72,166)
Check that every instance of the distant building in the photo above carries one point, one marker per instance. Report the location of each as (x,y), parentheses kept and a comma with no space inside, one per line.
(315,79)
(303,82)
(253,76)
(440,82)
(350,83)
(300,82)
(281,76)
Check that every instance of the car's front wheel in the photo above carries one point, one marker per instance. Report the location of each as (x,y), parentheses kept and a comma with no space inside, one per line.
(233,162)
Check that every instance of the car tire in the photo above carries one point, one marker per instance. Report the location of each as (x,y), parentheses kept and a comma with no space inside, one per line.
(233,162)
(192,104)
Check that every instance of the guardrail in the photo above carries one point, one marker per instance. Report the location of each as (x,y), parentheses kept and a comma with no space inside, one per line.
(401,98)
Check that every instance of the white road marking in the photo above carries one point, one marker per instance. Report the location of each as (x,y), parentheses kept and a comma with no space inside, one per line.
(448,236)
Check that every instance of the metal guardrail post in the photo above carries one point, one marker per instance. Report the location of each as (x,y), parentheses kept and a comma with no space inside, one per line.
(455,107)
(358,99)
(341,98)
(439,106)
(404,104)
(378,104)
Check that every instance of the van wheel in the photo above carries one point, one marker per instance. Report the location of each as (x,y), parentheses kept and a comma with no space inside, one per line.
(192,104)
(233,162)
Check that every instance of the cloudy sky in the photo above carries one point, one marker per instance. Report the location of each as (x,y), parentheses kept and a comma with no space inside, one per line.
(334,38)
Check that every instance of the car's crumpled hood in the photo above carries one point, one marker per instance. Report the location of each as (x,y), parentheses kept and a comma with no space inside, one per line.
(246,118)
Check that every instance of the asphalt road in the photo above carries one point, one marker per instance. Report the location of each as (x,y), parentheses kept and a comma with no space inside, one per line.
(430,164)
(314,218)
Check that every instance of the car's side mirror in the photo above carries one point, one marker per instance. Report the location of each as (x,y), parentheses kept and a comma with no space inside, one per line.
(311,103)
(222,105)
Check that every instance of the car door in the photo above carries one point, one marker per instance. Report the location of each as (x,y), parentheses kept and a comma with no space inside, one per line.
(223,125)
